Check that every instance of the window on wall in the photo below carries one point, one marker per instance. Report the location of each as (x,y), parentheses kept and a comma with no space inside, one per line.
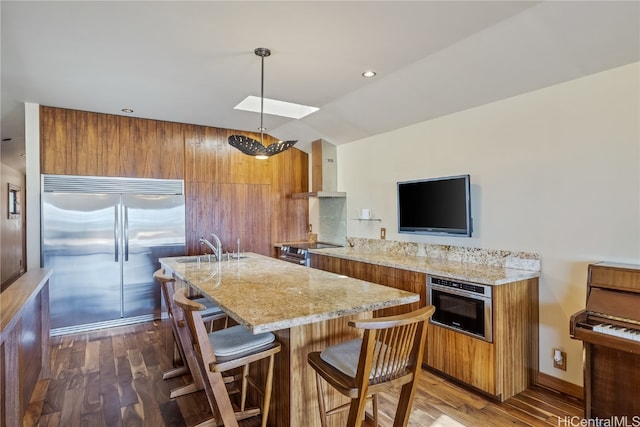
(14,201)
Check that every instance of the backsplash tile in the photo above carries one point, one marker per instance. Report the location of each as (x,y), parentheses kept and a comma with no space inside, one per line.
(492,257)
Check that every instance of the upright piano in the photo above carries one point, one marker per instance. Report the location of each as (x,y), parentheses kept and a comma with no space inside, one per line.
(610,330)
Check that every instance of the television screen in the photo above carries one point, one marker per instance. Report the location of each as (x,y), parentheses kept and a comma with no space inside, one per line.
(435,206)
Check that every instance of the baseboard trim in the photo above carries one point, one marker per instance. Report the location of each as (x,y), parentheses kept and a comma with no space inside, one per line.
(557,384)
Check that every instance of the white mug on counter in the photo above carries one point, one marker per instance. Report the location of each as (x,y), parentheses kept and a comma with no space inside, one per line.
(366,213)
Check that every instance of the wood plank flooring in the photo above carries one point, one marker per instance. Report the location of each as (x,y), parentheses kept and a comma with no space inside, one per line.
(113,377)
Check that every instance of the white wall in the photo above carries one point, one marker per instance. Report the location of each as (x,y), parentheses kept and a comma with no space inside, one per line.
(555,171)
(32,151)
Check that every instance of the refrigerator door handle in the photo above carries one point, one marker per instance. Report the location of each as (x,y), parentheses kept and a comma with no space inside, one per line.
(115,232)
(126,233)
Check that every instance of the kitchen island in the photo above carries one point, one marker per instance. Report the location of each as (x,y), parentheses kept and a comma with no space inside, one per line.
(307,309)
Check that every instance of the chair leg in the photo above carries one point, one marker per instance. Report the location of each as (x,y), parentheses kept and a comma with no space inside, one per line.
(175,372)
(321,406)
(268,386)
(403,411)
(374,403)
(356,410)
(243,389)
(184,390)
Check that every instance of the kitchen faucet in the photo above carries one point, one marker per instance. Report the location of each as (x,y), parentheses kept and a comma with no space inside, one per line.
(217,249)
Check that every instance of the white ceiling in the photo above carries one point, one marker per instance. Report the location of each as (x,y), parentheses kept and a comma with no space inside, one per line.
(192,62)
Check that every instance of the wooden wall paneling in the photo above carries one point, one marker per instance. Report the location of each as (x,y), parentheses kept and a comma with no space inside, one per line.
(140,153)
(81,151)
(202,206)
(12,230)
(244,169)
(194,154)
(169,142)
(280,232)
(290,217)
(206,154)
(128,137)
(191,216)
(95,150)
(87,143)
(297,213)
(247,215)
(57,129)
(222,151)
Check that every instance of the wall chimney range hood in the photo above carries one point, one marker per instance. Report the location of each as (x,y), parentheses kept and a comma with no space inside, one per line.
(324,170)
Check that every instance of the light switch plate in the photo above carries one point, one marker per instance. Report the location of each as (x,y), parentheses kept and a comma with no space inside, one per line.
(383,233)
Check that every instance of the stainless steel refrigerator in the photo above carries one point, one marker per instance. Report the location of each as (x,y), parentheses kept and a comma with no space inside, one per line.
(103,238)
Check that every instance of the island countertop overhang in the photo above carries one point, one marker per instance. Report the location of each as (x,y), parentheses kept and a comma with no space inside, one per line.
(266,294)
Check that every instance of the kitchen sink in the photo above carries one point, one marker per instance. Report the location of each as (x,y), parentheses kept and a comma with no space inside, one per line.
(186,259)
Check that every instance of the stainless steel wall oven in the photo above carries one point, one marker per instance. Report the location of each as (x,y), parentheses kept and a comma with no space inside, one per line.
(461,306)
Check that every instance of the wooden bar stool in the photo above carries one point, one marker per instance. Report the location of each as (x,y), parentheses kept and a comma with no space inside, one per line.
(224,350)
(182,336)
(388,355)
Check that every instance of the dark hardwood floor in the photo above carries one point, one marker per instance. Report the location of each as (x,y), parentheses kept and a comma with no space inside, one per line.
(113,377)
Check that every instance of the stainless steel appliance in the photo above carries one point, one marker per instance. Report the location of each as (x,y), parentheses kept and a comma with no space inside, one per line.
(298,253)
(103,238)
(461,306)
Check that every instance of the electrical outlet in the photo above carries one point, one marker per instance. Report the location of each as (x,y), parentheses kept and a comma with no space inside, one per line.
(559,359)
(383,233)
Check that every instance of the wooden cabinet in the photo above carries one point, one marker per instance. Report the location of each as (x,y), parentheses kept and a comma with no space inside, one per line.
(24,343)
(150,148)
(229,193)
(501,368)
(84,143)
(504,367)
(389,276)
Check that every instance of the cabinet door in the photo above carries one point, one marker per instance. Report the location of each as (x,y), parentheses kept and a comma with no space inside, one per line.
(95,149)
(57,131)
(327,263)
(150,148)
(465,358)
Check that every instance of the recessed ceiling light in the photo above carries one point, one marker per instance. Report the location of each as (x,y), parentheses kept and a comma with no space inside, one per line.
(275,107)
(127,110)
(368,74)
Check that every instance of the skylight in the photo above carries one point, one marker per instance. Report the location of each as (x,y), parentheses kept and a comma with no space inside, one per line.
(275,107)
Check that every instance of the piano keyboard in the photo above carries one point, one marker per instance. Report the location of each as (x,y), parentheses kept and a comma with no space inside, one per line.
(618,331)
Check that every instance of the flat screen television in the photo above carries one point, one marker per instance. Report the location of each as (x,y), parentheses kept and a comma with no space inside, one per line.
(435,206)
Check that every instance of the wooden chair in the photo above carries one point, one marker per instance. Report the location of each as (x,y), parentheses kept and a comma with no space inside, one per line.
(388,355)
(224,350)
(181,335)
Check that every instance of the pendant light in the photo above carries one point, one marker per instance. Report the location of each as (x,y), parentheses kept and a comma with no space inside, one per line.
(250,146)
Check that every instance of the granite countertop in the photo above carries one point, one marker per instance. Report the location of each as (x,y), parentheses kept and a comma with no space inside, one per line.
(266,294)
(485,274)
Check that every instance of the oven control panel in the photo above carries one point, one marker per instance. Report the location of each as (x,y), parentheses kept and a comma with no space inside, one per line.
(463,286)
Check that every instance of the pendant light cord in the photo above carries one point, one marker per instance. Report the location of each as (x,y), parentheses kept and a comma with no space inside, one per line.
(262,102)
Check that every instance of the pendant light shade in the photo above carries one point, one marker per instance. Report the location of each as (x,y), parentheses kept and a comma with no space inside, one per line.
(250,146)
